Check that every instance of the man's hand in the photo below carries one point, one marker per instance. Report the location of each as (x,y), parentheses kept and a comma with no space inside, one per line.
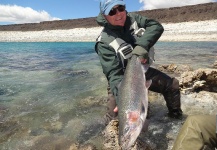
(141,53)
(116,109)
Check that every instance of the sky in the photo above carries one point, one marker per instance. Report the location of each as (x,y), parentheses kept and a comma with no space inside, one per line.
(35,11)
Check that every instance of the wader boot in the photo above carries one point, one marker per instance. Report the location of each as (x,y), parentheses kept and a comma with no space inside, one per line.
(111,104)
(169,87)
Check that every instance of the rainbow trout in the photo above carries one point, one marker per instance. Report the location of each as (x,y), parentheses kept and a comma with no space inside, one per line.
(132,102)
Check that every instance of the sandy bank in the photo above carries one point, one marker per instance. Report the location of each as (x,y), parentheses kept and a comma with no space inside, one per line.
(185,31)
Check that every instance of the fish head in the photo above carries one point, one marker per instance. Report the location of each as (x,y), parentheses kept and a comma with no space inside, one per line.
(132,129)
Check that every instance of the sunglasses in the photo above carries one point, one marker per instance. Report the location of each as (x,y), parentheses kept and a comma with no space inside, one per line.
(113,11)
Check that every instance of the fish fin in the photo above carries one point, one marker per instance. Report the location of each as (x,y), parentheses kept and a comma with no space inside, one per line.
(148,83)
(145,67)
(119,84)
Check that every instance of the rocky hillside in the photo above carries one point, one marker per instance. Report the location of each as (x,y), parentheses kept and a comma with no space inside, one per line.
(199,12)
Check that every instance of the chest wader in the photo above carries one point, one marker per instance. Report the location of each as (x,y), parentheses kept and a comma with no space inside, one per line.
(169,88)
(197,133)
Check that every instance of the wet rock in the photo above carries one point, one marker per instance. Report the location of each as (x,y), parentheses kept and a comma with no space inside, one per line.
(198,80)
(111,135)
(73,147)
(202,102)
(8,91)
(90,131)
(91,101)
(7,129)
(2,91)
(111,139)
(47,143)
(82,147)
(87,147)
(215,65)
(3,111)
(72,73)
(173,68)
(53,127)
(37,132)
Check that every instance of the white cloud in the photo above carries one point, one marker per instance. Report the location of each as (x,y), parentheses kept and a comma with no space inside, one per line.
(18,14)
(156,4)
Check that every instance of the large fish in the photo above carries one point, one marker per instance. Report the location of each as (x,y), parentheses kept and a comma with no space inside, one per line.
(132,102)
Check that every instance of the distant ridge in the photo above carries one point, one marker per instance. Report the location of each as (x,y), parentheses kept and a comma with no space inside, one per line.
(200,12)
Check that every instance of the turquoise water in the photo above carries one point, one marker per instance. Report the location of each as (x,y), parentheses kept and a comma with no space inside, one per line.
(195,54)
(50,91)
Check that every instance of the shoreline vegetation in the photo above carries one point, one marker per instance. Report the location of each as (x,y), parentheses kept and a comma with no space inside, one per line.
(183,31)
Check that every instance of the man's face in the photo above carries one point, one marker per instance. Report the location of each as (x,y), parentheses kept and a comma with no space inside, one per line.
(117,16)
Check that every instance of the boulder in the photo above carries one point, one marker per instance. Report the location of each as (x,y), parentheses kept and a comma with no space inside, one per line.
(173,68)
(111,139)
(215,65)
(198,80)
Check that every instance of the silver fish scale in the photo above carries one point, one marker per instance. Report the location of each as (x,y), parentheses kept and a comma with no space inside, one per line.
(132,92)
(134,83)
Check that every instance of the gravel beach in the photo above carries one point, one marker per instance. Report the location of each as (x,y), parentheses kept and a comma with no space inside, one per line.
(184,31)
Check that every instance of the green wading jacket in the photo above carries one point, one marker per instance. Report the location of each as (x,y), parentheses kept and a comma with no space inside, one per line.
(111,63)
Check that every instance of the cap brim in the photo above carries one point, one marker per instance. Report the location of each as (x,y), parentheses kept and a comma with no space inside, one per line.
(112,5)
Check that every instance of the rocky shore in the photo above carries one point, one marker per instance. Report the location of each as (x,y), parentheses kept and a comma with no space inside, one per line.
(198,92)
